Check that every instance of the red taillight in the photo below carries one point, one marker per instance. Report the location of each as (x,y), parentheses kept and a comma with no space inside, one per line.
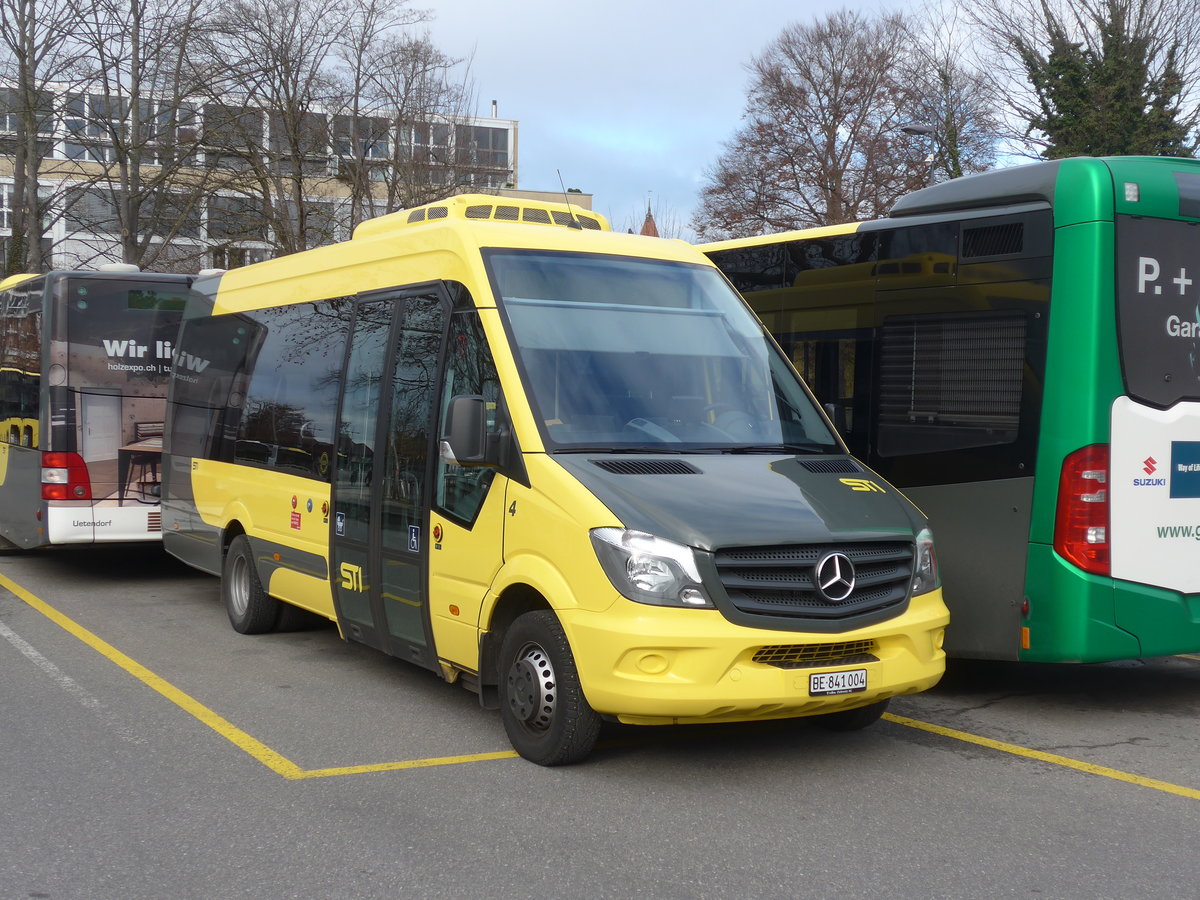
(65,477)
(1081,523)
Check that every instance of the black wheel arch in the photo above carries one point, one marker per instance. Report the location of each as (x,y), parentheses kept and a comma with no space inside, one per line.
(516,600)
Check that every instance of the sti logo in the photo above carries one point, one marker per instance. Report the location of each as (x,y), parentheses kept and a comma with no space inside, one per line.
(1150,466)
(1185,468)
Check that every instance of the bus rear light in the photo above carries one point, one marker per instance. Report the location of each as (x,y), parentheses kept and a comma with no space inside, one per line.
(1081,522)
(65,477)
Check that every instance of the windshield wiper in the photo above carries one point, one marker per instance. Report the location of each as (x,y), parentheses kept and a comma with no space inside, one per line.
(769,448)
(657,448)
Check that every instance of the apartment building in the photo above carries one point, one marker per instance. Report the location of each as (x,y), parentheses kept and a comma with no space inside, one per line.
(225,183)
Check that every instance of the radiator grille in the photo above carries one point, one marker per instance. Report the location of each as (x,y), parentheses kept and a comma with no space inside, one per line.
(781,581)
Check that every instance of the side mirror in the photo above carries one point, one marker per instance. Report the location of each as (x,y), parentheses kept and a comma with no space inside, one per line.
(465,440)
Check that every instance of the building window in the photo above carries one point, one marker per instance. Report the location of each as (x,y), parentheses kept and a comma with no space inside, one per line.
(10,111)
(91,210)
(236,257)
(483,146)
(361,138)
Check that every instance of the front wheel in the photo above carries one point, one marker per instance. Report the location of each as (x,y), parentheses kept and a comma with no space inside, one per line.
(853,719)
(546,716)
(251,609)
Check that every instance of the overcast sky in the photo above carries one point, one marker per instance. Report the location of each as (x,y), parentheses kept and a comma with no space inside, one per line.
(630,100)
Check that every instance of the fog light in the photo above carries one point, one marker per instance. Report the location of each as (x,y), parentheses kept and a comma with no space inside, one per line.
(652,664)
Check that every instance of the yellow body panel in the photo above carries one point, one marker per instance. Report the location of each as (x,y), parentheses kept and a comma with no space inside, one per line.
(276,508)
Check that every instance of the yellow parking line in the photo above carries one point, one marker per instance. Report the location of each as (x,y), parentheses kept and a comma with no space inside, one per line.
(273,760)
(1042,756)
(1190,656)
(280,764)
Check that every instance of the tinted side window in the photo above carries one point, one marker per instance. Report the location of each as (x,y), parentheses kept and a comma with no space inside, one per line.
(287,419)
(918,256)
(469,370)
(260,388)
(751,269)
(826,253)
(951,381)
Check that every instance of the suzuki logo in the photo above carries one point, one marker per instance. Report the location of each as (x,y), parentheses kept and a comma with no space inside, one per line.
(1151,465)
(835,577)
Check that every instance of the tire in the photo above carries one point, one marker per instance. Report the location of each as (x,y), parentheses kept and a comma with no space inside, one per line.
(546,716)
(853,719)
(251,610)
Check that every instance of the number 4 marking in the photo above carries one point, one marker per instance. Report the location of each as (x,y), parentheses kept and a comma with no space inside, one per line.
(512,508)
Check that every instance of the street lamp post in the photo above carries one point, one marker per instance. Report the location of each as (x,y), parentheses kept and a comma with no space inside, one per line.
(916,129)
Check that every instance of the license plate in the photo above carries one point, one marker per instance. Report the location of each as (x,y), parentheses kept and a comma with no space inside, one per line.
(849,682)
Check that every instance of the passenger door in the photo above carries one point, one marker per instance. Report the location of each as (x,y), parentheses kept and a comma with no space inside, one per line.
(382,476)
(467,523)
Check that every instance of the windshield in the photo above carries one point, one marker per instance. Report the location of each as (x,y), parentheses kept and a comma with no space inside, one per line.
(648,355)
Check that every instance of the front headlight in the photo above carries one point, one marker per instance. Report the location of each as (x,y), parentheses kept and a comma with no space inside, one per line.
(649,569)
(925,572)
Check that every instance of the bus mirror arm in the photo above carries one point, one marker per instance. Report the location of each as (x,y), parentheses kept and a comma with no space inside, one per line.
(465,442)
(837,415)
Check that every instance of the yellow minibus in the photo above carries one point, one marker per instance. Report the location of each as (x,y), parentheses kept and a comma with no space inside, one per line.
(563,467)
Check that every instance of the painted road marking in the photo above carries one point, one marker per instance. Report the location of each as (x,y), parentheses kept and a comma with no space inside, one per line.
(272,759)
(1042,756)
(280,764)
(68,684)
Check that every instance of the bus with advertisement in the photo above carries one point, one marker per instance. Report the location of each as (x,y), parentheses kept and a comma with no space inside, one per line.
(1019,352)
(562,467)
(84,368)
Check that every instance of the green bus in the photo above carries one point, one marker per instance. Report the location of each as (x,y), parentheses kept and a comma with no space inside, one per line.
(1019,352)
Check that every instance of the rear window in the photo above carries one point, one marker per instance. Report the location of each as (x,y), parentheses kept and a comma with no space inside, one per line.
(1158,308)
(121,333)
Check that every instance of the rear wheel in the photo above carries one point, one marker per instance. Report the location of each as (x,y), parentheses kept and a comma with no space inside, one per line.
(251,610)
(546,716)
(853,719)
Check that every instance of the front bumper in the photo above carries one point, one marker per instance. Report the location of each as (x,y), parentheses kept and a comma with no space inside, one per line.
(652,665)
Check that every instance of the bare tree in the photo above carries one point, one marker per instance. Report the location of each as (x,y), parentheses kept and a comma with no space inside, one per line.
(821,143)
(1094,76)
(136,133)
(954,123)
(267,125)
(361,127)
(37,53)
(322,98)
(824,141)
(427,105)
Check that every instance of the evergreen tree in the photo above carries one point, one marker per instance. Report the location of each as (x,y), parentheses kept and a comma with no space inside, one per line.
(1105,83)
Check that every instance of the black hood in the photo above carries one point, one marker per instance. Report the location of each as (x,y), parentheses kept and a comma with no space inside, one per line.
(746,500)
